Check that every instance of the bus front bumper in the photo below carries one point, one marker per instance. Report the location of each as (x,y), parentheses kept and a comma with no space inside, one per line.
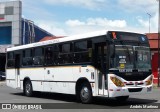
(127,91)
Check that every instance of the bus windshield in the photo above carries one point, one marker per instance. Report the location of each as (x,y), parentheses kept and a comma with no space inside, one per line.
(142,55)
(124,57)
(131,57)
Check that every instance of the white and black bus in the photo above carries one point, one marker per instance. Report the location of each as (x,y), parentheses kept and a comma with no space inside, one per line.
(104,63)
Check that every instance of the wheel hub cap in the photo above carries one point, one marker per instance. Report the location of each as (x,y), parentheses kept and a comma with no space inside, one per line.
(28,88)
(84,93)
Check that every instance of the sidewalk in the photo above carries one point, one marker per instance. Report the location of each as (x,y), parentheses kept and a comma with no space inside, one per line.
(2,83)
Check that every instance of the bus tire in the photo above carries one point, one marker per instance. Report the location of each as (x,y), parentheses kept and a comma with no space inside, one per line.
(122,98)
(28,90)
(85,93)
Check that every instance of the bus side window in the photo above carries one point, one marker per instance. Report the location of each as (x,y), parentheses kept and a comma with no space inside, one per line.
(10,60)
(66,54)
(38,56)
(48,56)
(82,51)
(55,54)
(27,59)
(59,58)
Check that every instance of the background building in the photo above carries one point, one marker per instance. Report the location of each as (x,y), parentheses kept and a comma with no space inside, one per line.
(153,40)
(15,30)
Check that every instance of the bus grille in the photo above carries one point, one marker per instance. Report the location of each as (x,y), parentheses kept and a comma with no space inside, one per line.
(134,89)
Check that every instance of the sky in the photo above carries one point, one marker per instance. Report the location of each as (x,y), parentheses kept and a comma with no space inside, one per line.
(70,17)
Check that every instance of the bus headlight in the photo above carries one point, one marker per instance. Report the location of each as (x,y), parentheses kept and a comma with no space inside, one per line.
(149,81)
(117,82)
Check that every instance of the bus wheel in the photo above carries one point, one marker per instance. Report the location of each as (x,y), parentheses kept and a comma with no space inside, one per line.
(28,91)
(85,93)
(122,98)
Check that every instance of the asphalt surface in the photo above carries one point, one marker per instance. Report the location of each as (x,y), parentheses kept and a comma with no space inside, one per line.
(67,103)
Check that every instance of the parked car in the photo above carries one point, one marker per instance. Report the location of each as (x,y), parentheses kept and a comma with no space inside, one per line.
(2,76)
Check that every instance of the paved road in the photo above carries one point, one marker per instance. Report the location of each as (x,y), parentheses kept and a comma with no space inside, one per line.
(9,95)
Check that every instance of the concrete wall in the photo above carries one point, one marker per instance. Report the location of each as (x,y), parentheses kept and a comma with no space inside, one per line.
(10,15)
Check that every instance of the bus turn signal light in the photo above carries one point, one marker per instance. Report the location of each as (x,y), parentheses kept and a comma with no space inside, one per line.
(117,82)
(149,81)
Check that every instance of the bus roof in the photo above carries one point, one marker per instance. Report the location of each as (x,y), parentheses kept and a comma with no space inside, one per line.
(59,40)
(65,39)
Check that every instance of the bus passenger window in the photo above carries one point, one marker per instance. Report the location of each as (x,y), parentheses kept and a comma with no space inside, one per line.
(27,59)
(11,60)
(80,46)
(55,54)
(38,56)
(66,48)
(82,51)
(65,56)
(48,56)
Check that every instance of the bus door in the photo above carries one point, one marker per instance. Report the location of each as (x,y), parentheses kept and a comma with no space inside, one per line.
(17,70)
(100,63)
